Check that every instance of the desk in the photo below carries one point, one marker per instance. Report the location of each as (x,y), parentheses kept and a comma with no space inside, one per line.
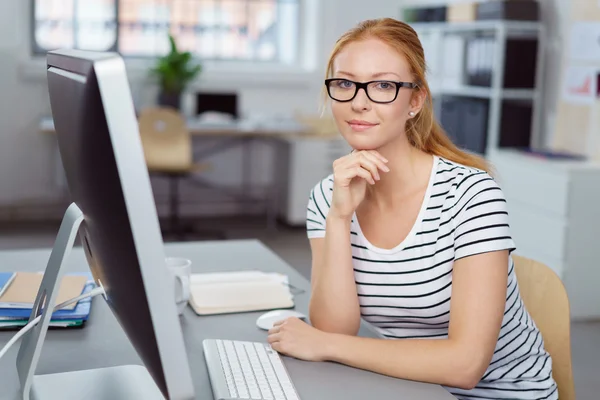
(242,134)
(244,128)
(102,343)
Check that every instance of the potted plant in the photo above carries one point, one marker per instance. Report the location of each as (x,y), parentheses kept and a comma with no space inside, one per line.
(174,71)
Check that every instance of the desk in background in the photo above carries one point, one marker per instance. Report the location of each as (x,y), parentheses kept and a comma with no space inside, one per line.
(302,159)
(245,128)
(102,343)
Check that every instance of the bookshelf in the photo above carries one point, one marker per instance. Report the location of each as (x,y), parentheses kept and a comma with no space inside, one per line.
(445,46)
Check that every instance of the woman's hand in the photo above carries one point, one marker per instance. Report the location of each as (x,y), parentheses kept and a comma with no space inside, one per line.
(296,338)
(351,174)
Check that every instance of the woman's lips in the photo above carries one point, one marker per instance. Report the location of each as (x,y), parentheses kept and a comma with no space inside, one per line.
(360,126)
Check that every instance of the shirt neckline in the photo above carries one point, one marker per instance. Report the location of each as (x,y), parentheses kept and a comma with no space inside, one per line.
(415,226)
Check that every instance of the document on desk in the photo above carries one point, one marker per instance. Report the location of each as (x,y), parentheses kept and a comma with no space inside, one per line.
(22,290)
(14,318)
(231,292)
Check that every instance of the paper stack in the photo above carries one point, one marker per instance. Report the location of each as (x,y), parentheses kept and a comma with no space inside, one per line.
(18,292)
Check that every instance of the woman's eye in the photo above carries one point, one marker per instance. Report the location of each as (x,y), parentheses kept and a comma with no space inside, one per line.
(345,84)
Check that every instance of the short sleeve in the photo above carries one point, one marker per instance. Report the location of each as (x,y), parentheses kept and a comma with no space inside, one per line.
(318,206)
(481,223)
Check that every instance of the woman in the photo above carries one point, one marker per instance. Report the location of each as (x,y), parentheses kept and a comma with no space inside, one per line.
(411,234)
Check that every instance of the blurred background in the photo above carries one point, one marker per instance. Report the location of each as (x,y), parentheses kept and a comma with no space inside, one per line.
(228,96)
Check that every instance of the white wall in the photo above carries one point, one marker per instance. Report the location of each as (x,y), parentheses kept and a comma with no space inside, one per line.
(26,156)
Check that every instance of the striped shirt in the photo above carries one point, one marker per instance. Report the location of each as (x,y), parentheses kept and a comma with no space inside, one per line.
(405,292)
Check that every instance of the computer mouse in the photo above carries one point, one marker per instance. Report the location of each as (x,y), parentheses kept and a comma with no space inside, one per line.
(266,320)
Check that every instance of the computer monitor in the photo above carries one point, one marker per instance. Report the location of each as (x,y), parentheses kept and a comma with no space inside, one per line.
(103,159)
(226,103)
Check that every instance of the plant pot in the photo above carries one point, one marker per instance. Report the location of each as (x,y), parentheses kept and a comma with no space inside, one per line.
(170,99)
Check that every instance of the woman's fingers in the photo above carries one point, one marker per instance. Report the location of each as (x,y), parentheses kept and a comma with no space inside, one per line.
(349,157)
(274,337)
(367,161)
(378,155)
(362,173)
(365,164)
(371,155)
(377,160)
(274,329)
(344,174)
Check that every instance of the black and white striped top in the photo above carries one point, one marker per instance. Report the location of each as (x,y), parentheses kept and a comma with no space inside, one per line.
(405,291)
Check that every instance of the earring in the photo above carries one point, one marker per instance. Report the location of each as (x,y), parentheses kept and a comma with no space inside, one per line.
(412,113)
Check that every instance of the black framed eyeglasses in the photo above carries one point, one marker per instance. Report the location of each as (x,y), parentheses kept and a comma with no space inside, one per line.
(344,90)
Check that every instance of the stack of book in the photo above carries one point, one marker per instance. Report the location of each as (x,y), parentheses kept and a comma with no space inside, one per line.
(18,291)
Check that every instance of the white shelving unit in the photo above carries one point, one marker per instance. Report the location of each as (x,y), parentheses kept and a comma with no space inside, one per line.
(553,213)
(433,36)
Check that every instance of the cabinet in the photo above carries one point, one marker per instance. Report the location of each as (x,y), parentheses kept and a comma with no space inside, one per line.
(554,216)
(301,163)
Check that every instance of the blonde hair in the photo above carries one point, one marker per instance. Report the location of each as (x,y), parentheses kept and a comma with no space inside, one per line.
(423,132)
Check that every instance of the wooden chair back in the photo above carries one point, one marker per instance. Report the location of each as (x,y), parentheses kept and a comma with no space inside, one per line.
(547,302)
(166,140)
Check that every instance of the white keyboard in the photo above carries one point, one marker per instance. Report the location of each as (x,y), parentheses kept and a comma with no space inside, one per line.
(247,370)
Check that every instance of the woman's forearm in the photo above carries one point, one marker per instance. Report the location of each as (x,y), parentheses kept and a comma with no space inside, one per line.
(440,361)
(334,303)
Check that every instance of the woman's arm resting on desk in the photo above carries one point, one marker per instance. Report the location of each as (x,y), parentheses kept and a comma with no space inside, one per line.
(334,303)
(476,312)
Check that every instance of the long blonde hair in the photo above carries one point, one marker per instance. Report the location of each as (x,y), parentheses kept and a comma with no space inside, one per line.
(423,132)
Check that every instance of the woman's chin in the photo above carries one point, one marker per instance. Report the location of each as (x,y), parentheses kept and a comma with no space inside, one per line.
(360,142)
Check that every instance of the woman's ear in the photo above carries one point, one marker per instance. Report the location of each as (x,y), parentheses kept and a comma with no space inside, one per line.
(417,101)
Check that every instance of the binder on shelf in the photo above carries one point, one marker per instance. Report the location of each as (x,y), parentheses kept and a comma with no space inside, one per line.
(520,62)
(453,48)
(516,130)
(480,58)
(475,120)
(465,120)
(425,14)
(515,10)
(462,12)
(450,119)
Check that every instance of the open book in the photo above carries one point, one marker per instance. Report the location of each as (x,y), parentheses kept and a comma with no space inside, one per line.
(231,292)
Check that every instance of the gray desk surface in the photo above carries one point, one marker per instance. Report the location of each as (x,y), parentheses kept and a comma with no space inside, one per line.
(102,343)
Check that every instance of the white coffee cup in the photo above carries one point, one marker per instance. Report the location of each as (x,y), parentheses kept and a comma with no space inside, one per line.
(181,269)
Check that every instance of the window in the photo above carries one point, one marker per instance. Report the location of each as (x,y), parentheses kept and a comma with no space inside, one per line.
(254,30)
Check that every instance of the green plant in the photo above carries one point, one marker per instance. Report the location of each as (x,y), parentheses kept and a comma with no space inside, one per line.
(175,70)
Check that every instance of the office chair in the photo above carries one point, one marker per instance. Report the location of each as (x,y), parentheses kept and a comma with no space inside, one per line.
(168,151)
(546,300)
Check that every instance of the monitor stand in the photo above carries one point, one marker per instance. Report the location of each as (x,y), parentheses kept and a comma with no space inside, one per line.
(126,382)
